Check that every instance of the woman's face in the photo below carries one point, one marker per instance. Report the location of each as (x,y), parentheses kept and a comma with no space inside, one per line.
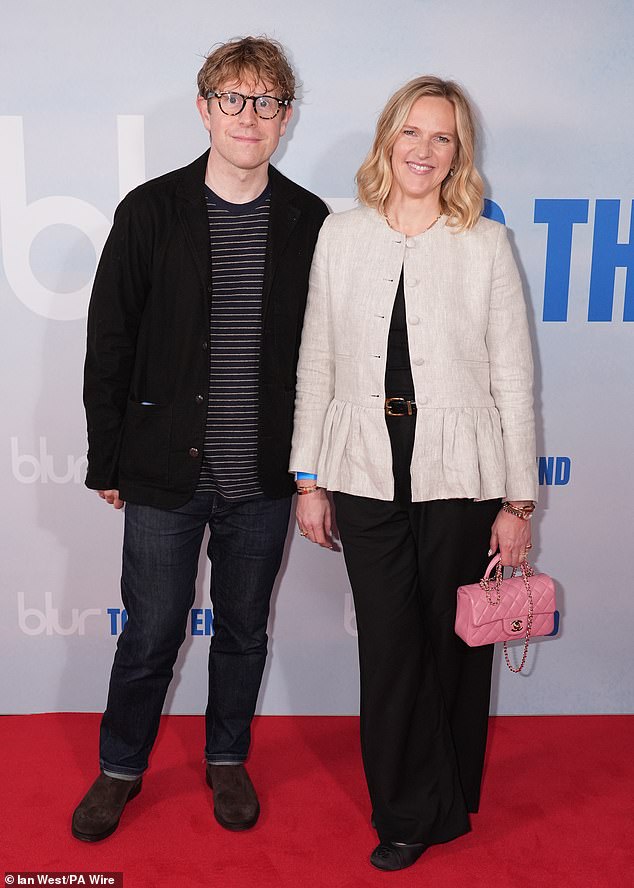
(424,150)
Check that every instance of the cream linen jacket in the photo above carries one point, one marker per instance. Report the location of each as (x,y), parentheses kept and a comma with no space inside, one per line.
(470,356)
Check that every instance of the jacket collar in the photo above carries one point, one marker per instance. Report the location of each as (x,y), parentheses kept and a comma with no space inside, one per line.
(192,180)
(193,214)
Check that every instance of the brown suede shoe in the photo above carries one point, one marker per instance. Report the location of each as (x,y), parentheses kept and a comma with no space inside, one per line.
(236,804)
(97,815)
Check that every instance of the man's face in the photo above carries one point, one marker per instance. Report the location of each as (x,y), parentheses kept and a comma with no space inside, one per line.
(242,141)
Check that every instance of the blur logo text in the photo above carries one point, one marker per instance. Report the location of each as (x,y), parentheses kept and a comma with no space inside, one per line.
(47,621)
(22,222)
(43,467)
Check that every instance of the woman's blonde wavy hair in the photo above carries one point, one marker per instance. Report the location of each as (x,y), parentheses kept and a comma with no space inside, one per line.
(461,193)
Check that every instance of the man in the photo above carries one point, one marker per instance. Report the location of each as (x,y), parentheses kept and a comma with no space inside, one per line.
(193,334)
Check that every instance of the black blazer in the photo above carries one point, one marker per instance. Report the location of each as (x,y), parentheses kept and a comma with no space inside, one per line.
(148,330)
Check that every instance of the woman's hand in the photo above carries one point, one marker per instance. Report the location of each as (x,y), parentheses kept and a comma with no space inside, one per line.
(314,517)
(512,537)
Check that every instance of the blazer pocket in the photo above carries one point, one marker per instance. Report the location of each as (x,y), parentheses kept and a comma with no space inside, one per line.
(145,443)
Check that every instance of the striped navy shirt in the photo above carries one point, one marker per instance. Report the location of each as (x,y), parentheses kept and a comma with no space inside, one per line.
(238,236)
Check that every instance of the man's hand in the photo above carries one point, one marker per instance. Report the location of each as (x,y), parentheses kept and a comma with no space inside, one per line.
(512,536)
(111,497)
(314,518)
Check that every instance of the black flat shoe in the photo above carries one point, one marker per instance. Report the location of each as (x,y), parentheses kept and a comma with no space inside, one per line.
(390,856)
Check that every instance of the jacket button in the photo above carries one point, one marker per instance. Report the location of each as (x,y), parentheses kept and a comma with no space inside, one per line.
(204,345)
(193,451)
(199,399)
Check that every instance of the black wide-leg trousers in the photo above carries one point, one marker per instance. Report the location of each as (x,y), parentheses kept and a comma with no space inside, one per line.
(424,692)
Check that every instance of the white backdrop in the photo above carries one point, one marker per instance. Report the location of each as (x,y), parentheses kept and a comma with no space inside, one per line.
(96,97)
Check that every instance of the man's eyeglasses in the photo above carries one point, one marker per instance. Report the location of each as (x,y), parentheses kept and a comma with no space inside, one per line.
(233,103)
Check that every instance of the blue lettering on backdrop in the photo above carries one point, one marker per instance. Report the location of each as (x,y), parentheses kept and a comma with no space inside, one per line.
(608,255)
(560,216)
(553,469)
(202,621)
(115,613)
(493,211)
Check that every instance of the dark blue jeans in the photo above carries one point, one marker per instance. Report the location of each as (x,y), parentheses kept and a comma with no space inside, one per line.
(160,558)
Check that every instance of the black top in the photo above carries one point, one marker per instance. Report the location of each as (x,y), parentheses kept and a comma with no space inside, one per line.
(398,373)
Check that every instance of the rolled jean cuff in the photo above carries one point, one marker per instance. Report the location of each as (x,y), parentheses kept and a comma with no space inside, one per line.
(118,772)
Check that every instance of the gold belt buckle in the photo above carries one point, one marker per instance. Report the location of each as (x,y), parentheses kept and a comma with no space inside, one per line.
(403,401)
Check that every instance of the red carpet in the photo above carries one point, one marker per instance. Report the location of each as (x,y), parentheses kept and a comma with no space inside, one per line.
(556,808)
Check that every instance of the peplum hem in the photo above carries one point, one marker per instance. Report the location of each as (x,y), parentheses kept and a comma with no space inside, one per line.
(458,453)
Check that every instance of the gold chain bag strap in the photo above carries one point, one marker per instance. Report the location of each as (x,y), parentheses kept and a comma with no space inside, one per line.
(485,583)
(513,608)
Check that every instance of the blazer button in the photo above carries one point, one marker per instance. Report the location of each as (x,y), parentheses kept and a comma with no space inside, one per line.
(193,451)
(199,399)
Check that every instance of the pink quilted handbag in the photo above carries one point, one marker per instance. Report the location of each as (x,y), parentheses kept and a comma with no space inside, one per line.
(496,609)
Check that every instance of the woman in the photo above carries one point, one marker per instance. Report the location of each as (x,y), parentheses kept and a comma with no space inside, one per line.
(414,404)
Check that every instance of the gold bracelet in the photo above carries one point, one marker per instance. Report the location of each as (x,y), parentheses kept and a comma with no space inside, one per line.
(524,512)
(308,488)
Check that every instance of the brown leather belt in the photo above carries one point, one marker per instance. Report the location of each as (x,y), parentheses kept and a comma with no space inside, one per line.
(399,407)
